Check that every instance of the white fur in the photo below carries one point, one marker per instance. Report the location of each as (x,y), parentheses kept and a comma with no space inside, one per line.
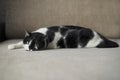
(26,46)
(94,41)
(11,46)
(53,44)
(42,30)
(15,46)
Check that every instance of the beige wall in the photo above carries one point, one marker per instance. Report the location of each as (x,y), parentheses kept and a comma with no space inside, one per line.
(101,15)
(2,11)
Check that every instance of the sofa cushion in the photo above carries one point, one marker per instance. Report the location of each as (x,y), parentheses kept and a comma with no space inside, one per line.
(59,64)
(100,15)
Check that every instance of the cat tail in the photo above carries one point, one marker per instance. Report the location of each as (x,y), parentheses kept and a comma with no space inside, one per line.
(106,43)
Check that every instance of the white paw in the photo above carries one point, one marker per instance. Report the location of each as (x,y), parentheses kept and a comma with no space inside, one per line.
(11,46)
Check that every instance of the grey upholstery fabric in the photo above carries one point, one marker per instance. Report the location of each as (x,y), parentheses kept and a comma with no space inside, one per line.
(59,64)
(100,15)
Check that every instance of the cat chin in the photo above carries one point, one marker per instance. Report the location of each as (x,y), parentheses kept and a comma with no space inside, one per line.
(11,46)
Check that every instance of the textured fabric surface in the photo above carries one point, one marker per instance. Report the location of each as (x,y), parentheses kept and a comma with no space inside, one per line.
(100,15)
(59,64)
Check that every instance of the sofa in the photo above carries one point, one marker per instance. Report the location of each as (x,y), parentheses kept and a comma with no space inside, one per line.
(60,64)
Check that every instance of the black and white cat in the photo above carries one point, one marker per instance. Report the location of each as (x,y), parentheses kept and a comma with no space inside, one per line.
(68,36)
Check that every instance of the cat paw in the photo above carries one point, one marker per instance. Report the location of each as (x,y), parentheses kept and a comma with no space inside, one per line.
(11,46)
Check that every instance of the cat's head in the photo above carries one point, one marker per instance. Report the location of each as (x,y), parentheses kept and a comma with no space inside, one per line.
(34,41)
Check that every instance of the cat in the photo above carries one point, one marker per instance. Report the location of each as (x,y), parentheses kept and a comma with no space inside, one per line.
(67,36)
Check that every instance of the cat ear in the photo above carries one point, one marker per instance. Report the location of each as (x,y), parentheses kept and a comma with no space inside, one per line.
(27,33)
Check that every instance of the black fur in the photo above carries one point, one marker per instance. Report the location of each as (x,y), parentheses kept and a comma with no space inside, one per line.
(107,44)
(84,36)
(61,43)
(36,39)
(70,37)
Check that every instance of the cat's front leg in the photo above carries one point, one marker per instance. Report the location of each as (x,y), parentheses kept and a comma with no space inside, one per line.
(16,46)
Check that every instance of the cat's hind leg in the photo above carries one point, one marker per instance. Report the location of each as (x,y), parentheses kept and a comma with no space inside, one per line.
(15,46)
